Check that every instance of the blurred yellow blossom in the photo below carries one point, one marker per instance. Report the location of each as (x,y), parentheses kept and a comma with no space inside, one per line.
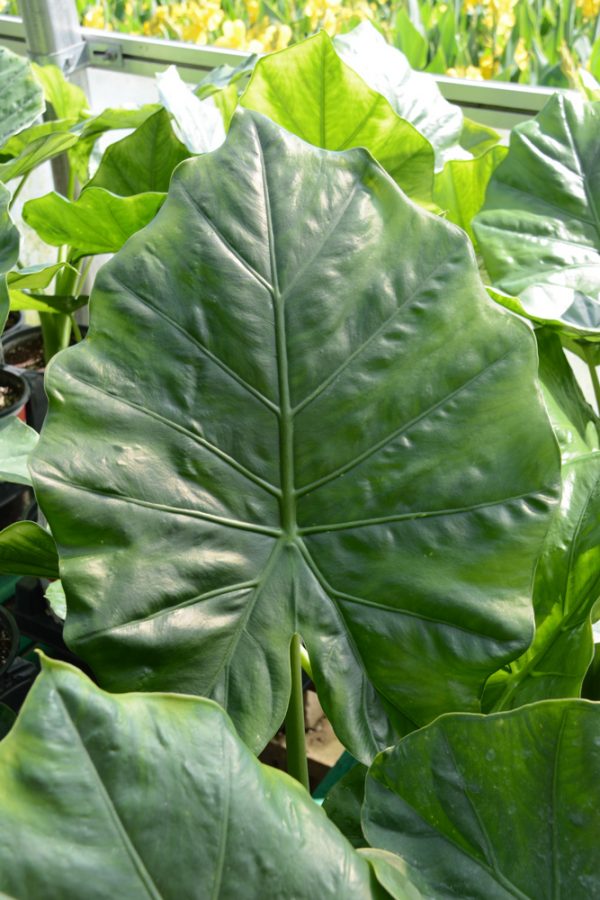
(589,8)
(94,18)
(521,55)
(473,72)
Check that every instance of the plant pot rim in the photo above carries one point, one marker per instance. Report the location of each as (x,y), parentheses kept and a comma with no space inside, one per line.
(16,377)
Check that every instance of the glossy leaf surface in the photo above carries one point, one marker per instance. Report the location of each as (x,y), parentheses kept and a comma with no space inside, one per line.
(495,807)
(161,800)
(539,231)
(303,442)
(414,96)
(98,222)
(343,804)
(28,549)
(567,581)
(21,98)
(143,161)
(17,441)
(311,92)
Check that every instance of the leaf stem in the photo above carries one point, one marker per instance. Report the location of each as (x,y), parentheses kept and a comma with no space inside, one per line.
(297,765)
(18,190)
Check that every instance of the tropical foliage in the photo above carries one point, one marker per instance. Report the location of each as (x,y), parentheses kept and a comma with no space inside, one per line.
(298,415)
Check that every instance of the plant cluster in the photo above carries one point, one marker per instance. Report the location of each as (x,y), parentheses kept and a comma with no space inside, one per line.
(300,431)
(548,42)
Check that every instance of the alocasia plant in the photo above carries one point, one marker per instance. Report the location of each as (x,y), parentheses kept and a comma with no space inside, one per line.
(307,441)
(539,229)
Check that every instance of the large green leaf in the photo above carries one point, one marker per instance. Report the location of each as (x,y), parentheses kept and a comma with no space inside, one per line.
(539,230)
(21,98)
(98,222)
(311,92)
(28,549)
(414,96)
(304,441)
(495,807)
(143,161)
(161,800)
(567,582)
(460,187)
(17,441)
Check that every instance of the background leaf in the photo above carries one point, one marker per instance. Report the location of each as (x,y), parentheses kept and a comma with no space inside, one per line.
(98,222)
(21,98)
(494,807)
(311,92)
(539,230)
(82,763)
(199,122)
(460,187)
(143,161)
(414,96)
(17,441)
(305,442)
(28,549)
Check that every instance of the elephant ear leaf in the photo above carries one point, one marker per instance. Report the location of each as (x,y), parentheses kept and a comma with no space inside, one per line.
(494,807)
(539,229)
(309,90)
(305,442)
(161,799)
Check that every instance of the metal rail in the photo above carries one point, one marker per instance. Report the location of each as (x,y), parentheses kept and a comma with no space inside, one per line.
(498,104)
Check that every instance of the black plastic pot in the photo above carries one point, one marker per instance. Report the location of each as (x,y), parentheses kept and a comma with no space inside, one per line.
(19,353)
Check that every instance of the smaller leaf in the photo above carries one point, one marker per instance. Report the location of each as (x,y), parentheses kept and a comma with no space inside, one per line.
(143,161)
(494,807)
(36,277)
(57,600)
(477,138)
(461,185)
(44,303)
(28,549)
(19,142)
(67,99)
(199,122)
(310,91)
(36,153)
(9,251)
(414,96)
(17,441)
(98,222)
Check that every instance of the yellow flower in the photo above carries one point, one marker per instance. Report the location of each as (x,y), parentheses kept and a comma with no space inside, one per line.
(589,8)
(253,8)
(472,72)
(521,55)
(234,35)
(94,17)
(488,66)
